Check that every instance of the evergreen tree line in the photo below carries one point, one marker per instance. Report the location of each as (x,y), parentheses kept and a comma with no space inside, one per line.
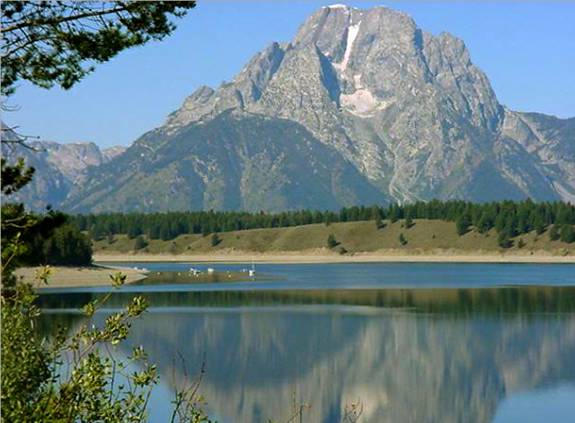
(65,246)
(30,239)
(59,243)
(507,217)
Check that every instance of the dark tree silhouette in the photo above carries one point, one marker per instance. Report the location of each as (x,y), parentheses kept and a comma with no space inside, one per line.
(58,42)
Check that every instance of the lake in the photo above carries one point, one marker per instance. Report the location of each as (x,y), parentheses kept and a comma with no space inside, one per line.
(408,342)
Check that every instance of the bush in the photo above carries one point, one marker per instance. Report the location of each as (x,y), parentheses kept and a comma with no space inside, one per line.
(331,241)
(402,239)
(140,243)
(215,240)
(37,387)
(408,222)
(34,387)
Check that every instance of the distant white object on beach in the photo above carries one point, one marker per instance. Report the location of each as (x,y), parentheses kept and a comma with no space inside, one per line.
(210,270)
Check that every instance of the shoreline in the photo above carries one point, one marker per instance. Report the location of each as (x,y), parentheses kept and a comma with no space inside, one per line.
(318,257)
(99,274)
(79,276)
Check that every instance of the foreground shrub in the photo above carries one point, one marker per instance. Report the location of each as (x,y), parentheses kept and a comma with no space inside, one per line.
(76,377)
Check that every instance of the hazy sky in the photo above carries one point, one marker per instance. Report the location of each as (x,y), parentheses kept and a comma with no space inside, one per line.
(526,48)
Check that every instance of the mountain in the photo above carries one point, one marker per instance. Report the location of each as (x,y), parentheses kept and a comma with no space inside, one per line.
(397,114)
(408,109)
(59,167)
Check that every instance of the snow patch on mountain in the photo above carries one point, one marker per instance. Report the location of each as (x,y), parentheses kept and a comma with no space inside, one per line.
(352,32)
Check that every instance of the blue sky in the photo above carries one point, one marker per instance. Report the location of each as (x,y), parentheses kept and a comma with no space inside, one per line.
(525,47)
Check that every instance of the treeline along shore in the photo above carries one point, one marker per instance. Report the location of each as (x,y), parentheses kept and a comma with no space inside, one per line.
(424,228)
(506,217)
(435,229)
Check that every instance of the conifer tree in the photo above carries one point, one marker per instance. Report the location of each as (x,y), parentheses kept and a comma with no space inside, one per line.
(504,239)
(394,213)
(462,224)
(538,224)
(376,216)
(484,223)
(215,240)
(567,233)
(554,233)
(408,221)
(402,239)
(331,241)
(140,243)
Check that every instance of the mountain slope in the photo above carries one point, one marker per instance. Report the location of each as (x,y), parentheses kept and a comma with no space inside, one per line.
(550,144)
(235,161)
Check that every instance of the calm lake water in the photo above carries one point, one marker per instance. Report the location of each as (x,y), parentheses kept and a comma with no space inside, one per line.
(409,342)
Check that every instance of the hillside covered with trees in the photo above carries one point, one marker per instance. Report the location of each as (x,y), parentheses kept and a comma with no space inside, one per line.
(419,227)
(509,219)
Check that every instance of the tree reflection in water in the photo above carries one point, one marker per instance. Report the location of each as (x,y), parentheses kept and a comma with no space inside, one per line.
(442,355)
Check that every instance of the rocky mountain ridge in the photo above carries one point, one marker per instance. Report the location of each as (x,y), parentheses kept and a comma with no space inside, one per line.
(408,111)
(58,166)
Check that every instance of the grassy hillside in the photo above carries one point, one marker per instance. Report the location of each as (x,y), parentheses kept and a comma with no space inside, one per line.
(423,236)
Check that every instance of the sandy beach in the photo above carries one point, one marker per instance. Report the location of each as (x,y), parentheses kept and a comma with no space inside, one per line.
(323,256)
(63,277)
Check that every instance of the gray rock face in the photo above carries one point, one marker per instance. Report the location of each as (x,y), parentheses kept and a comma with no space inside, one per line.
(111,152)
(59,167)
(408,110)
(549,146)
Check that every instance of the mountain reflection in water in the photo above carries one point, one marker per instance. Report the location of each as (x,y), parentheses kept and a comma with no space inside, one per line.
(435,355)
